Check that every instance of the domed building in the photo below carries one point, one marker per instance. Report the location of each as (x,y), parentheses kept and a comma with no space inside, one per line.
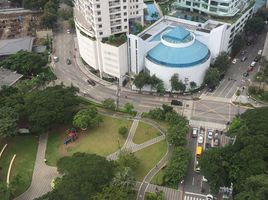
(178,52)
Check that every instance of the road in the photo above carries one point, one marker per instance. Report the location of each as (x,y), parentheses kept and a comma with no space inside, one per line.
(233,78)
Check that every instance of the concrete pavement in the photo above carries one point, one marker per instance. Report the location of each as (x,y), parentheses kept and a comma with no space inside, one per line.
(42,174)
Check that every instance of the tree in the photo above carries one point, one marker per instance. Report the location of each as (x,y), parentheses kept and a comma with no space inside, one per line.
(160,88)
(88,117)
(109,104)
(123,130)
(124,178)
(222,63)
(112,192)
(25,63)
(255,25)
(176,135)
(141,80)
(128,108)
(212,77)
(193,85)
(88,172)
(238,44)
(263,13)
(177,166)
(47,20)
(50,106)
(174,81)
(255,187)
(8,122)
(127,159)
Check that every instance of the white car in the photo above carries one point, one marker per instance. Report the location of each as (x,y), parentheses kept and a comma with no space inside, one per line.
(234,61)
(253,63)
(209,197)
(200,139)
(210,134)
(68,31)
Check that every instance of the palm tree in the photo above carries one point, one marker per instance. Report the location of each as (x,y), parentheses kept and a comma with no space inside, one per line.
(124,178)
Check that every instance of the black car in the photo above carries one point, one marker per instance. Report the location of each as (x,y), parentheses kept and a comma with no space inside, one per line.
(257,58)
(68,61)
(91,82)
(176,102)
(245,74)
(211,88)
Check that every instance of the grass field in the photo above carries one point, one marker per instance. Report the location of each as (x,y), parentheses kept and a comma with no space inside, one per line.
(102,140)
(25,148)
(145,132)
(149,157)
(158,178)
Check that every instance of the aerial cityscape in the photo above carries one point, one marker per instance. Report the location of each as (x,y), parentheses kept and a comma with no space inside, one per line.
(133,99)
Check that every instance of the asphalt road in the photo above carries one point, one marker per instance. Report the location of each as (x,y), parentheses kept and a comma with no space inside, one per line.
(233,78)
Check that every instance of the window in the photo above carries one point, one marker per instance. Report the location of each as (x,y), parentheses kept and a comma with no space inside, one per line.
(188,3)
(101,33)
(125,14)
(100,25)
(98,5)
(124,7)
(99,19)
(125,20)
(99,13)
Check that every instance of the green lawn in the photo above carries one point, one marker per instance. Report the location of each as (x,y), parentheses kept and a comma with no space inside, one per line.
(145,132)
(25,148)
(102,140)
(149,157)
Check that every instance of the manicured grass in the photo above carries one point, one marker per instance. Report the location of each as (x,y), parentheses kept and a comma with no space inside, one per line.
(158,178)
(102,140)
(145,132)
(149,157)
(25,148)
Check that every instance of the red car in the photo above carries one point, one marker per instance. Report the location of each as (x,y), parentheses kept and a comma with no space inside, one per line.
(250,69)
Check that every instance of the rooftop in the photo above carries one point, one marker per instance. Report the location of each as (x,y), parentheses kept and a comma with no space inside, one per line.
(8,77)
(178,33)
(12,46)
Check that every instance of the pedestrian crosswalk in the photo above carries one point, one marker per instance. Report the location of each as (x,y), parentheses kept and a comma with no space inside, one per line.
(194,196)
(191,197)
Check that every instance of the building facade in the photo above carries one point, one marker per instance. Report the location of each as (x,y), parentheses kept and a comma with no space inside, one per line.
(96,20)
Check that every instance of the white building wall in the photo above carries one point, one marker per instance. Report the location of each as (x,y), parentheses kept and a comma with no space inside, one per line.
(114,59)
(195,73)
(88,50)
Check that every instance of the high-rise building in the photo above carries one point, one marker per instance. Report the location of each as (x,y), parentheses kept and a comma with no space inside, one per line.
(95,21)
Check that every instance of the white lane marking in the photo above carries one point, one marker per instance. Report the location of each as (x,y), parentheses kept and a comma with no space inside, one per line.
(193,181)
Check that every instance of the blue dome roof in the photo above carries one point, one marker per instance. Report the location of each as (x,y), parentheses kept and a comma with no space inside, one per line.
(189,56)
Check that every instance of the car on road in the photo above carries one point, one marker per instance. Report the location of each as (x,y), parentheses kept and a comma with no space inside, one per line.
(176,102)
(244,58)
(194,132)
(250,69)
(243,53)
(68,61)
(245,74)
(234,61)
(56,59)
(68,31)
(253,63)
(91,82)
(204,179)
(210,134)
(260,52)
(200,139)
(257,58)
(211,88)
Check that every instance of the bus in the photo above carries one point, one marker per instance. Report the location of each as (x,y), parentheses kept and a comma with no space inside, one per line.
(198,151)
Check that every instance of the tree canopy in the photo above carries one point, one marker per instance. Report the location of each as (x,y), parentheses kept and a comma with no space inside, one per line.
(177,84)
(255,25)
(8,122)
(50,106)
(245,162)
(83,176)
(212,77)
(141,80)
(26,63)
(87,117)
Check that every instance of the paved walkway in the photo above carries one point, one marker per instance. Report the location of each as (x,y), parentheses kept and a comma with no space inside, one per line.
(42,174)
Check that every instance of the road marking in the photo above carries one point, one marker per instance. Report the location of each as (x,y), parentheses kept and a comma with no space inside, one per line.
(205,139)
(193,181)
(229,112)
(230,89)
(226,86)
(213,110)
(196,194)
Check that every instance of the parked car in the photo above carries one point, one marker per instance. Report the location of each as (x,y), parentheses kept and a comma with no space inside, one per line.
(209,197)
(56,59)
(68,31)
(243,53)
(244,58)
(260,52)
(210,134)
(194,132)
(200,139)
(234,61)
(176,102)
(91,82)
(257,58)
(208,145)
